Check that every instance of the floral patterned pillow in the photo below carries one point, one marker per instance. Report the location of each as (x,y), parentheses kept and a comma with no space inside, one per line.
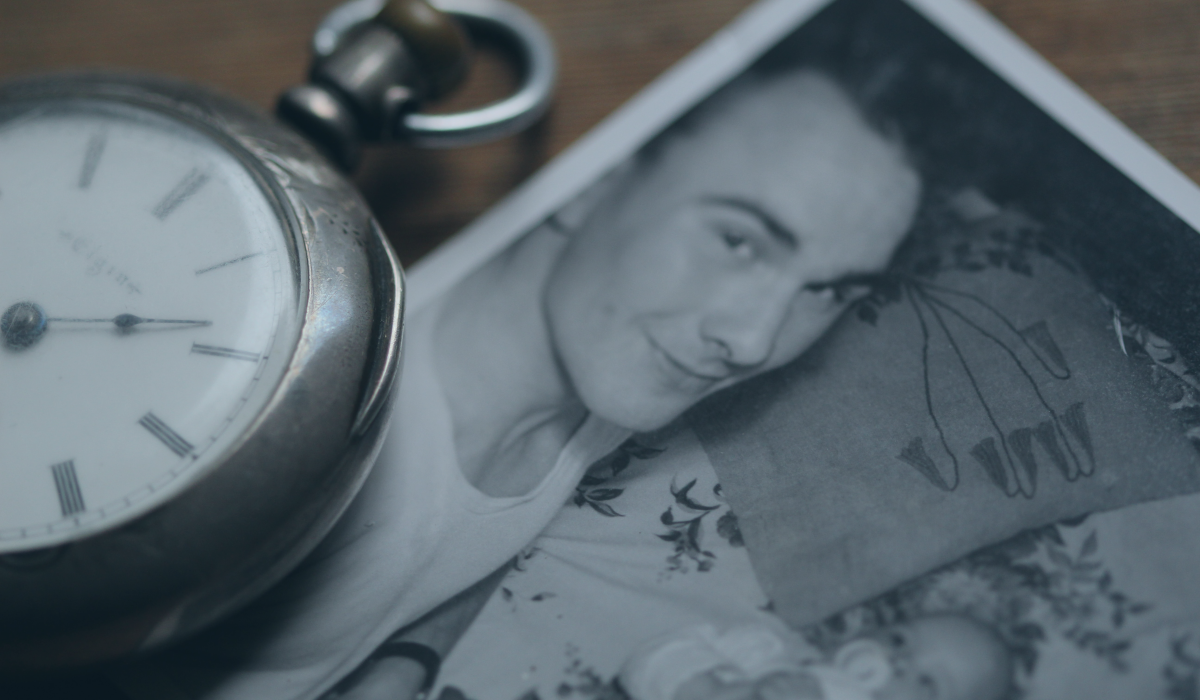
(983,389)
(1101,607)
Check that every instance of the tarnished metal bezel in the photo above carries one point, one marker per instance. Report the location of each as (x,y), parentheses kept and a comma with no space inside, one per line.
(258,509)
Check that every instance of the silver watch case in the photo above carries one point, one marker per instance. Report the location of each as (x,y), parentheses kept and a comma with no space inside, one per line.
(278,490)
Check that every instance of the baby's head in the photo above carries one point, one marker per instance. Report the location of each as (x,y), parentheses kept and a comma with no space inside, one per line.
(935,657)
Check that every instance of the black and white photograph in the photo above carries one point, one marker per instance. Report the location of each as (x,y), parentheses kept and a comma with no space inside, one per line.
(963,470)
(957,458)
(853,359)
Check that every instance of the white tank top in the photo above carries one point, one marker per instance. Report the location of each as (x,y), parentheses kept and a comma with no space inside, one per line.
(417,534)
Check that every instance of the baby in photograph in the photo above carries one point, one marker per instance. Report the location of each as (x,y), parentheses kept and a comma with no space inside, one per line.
(933,657)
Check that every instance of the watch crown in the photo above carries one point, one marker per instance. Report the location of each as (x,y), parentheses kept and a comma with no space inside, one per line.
(360,90)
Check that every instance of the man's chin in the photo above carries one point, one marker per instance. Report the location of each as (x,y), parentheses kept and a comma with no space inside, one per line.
(637,414)
(631,395)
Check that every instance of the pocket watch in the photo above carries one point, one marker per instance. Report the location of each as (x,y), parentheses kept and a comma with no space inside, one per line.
(200,322)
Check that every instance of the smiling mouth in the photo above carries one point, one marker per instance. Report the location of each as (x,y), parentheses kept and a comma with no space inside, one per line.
(679,368)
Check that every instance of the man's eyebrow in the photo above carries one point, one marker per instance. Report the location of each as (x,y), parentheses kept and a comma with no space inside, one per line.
(777,230)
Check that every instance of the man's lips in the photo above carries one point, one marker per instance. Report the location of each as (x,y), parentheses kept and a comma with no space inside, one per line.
(682,368)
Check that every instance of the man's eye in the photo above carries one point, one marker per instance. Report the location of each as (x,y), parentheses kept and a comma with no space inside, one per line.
(833,293)
(840,292)
(738,243)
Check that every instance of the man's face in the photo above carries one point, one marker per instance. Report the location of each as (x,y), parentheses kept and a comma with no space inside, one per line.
(729,254)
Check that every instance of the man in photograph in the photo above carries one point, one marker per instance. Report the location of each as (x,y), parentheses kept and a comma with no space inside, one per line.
(731,244)
(728,247)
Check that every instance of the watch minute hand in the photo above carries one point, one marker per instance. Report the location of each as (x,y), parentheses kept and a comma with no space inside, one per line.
(125,321)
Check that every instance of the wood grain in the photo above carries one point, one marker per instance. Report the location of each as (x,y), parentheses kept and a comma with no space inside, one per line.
(1139,58)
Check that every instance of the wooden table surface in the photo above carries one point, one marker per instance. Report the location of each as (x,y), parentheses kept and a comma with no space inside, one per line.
(1139,58)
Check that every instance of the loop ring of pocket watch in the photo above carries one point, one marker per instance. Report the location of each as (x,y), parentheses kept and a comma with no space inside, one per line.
(367,81)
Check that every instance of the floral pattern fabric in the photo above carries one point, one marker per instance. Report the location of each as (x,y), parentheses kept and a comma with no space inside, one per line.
(647,545)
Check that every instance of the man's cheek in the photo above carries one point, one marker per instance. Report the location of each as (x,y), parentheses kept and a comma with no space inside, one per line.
(660,267)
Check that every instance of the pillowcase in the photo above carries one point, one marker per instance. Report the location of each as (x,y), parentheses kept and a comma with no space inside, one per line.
(948,414)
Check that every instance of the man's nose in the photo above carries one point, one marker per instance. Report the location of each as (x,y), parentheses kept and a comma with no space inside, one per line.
(744,331)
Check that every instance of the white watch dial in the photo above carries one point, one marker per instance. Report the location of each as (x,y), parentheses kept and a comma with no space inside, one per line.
(149,305)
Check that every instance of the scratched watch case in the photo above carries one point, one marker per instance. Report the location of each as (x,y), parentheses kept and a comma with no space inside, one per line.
(233,532)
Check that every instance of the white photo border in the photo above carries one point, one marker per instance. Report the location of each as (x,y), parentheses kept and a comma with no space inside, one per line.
(730,52)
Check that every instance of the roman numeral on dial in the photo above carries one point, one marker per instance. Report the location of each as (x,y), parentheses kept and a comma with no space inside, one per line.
(163,432)
(188,186)
(91,159)
(229,353)
(66,482)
